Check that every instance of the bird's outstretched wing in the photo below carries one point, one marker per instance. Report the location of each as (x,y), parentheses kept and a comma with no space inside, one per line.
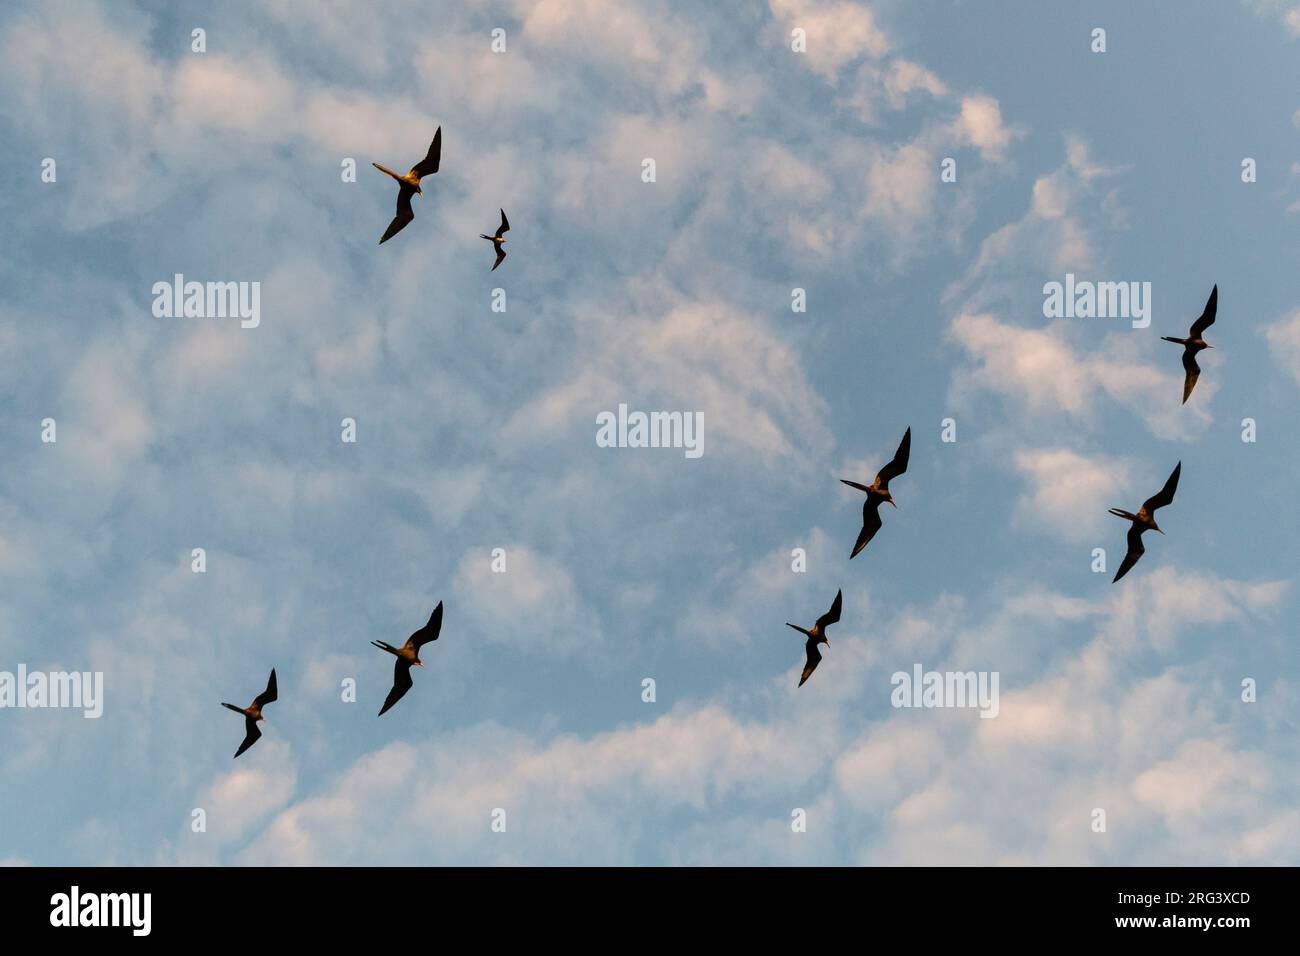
(404,213)
(1193,373)
(1207,317)
(1165,495)
(429,632)
(870,525)
(505,225)
(830,617)
(898,464)
(1135,551)
(268,696)
(429,165)
(501,255)
(814,658)
(401,684)
(251,735)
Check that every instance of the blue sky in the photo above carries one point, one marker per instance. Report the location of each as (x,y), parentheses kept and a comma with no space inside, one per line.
(476,430)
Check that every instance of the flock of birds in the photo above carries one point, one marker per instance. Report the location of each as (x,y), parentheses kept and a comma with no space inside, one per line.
(409,185)
(408,656)
(1145,520)
(878,493)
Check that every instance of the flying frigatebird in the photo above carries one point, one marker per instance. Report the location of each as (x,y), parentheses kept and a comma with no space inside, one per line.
(818,636)
(253,713)
(1145,520)
(409,185)
(878,492)
(498,243)
(408,656)
(1195,343)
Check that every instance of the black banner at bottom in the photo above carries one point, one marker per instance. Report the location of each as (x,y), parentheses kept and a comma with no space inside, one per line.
(330,905)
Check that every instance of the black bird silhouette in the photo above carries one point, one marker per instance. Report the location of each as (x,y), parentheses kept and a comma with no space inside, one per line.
(818,636)
(409,185)
(1195,343)
(253,713)
(497,242)
(1145,520)
(878,493)
(408,655)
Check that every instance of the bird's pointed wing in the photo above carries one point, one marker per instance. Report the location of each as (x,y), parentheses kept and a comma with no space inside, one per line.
(429,632)
(501,255)
(401,684)
(268,696)
(870,525)
(899,463)
(404,213)
(814,658)
(1135,551)
(251,735)
(505,225)
(830,617)
(1166,494)
(1207,317)
(429,165)
(1193,373)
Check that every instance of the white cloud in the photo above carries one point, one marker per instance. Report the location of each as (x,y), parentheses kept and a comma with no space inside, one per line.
(1284,11)
(904,77)
(1171,601)
(250,96)
(1284,343)
(902,180)
(980,124)
(108,424)
(1037,369)
(703,357)
(533,605)
(838,32)
(248,793)
(1067,492)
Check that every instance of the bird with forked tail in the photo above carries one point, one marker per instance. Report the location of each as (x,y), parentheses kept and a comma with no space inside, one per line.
(498,243)
(408,656)
(1145,520)
(817,636)
(409,185)
(253,713)
(878,492)
(1195,343)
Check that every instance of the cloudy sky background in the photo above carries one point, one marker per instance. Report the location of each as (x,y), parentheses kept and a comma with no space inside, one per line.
(477,431)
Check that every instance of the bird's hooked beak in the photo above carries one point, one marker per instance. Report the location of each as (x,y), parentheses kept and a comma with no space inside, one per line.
(1156,528)
(891,500)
